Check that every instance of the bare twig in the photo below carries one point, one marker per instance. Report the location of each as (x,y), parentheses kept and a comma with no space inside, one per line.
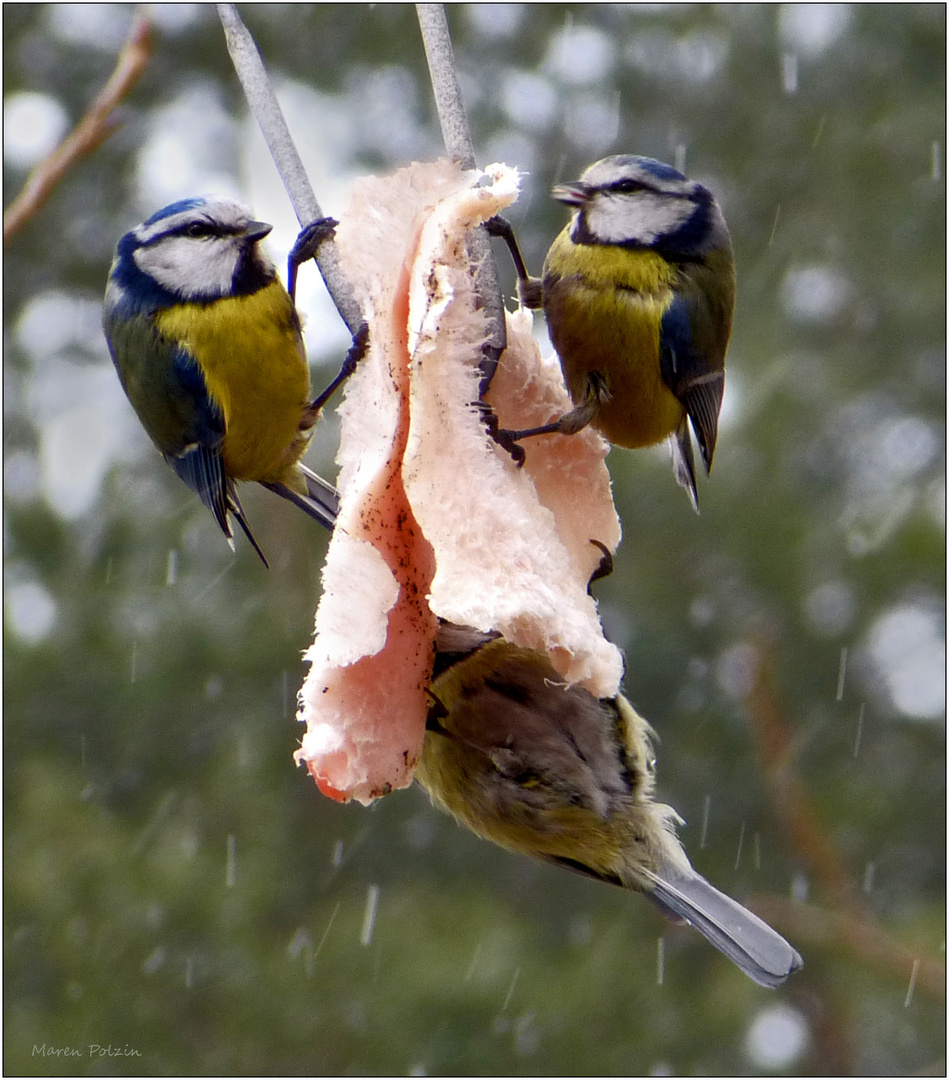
(457,137)
(265,107)
(91,131)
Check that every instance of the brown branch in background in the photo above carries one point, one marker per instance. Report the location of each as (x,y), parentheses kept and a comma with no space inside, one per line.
(91,131)
(834,1049)
(830,928)
(847,924)
(793,804)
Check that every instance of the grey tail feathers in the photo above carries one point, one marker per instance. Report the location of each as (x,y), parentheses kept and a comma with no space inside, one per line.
(320,502)
(683,461)
(760,952)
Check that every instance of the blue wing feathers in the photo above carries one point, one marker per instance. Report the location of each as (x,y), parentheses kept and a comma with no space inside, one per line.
(167,389)
(202,469)
(689,372)
(675,343)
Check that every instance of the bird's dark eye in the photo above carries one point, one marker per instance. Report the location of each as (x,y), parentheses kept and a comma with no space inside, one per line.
(626,187)
(197,229)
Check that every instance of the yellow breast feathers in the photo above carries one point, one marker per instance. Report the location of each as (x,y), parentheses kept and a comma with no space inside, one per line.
(251,353)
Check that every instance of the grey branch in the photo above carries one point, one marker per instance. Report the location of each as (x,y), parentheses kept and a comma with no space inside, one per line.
(441,66)
(457,138)
(264,105)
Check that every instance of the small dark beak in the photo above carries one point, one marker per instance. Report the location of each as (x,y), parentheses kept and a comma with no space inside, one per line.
(257,230)
(576,194)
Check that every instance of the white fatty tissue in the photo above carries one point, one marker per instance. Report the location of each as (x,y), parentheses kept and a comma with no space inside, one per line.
(436,520)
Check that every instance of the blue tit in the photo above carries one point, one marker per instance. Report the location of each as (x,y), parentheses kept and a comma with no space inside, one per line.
(548,770)
(639,292)
(209,350)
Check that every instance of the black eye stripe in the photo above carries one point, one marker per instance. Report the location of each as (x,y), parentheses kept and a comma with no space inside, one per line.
(204,228)
(627,187)
(195,230)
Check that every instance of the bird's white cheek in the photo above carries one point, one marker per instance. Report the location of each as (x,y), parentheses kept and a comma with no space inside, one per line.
(190,268)
(644,217)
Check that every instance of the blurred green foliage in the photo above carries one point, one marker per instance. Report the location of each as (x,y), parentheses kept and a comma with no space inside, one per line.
(175,888)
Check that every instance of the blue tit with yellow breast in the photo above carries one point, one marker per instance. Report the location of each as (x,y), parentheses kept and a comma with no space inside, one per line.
(550,771)
(209,350)
(639,292)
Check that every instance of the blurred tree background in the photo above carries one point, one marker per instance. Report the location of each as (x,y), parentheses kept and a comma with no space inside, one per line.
(175,889)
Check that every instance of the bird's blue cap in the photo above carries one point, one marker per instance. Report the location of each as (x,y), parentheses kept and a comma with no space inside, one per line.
(658,169)
(175,208)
